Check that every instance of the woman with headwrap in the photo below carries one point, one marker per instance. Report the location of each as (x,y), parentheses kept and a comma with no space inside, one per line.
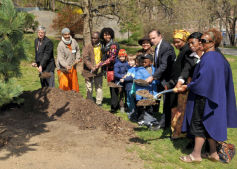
(68,55)
(178,101)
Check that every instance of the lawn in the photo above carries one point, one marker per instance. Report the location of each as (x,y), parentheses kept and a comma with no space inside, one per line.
(156,148)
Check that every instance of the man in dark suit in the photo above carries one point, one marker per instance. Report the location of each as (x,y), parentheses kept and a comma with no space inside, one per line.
(163,61)
(44,59)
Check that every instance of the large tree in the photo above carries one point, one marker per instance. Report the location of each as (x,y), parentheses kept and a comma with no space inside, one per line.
(226,12)
(11,50)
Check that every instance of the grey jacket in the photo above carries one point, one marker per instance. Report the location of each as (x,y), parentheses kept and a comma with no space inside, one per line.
(66,57)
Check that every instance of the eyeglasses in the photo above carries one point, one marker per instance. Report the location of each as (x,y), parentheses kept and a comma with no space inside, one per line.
(205,41)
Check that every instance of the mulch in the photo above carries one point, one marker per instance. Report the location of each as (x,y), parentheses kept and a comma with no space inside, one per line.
(71,107)
(145,93)
(146,102)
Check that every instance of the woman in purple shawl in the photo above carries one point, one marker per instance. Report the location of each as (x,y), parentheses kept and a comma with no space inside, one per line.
(211,106)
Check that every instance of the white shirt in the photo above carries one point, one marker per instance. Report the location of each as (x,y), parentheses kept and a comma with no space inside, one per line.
(157,51)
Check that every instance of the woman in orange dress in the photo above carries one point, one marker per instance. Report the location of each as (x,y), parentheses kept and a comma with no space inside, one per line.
(68,55)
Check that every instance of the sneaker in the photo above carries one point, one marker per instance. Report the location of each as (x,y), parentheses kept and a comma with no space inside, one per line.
(141,123)
(154,127)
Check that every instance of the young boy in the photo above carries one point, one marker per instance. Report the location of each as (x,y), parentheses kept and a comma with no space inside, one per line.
(143,72)
(128,80)
(120,69)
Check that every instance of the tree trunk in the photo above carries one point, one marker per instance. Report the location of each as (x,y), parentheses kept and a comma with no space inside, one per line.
(53,5)
(87,22)
(232,31)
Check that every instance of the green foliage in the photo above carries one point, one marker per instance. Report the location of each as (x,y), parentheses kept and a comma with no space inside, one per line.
(11,35)
(11,51)
(9,92)
(30,22)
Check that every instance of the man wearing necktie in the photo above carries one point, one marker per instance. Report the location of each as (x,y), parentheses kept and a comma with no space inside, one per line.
(163,61)
(44,58)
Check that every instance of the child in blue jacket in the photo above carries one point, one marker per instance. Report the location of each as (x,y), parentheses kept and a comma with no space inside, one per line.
(143,72)
(120,70)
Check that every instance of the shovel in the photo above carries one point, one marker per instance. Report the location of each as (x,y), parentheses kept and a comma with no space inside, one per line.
(64,70)
(114,85)
(42,75)
(145,93)
(165,91)
(88,74)
(146,102)
(45,75)
(141,82)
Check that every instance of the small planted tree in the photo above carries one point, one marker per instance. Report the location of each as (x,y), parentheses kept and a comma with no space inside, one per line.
(11,50)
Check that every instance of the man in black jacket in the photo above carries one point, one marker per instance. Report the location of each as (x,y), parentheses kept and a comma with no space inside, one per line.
(44,59)
(163,61)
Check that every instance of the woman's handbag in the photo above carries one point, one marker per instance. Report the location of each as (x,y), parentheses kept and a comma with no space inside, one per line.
(225,151)
(110,76)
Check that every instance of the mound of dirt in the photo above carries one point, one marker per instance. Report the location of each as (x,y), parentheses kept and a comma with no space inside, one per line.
(71,107)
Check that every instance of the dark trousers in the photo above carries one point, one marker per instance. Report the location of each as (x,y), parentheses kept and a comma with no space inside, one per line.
(114,98)
(122,97)
(49,82)
(167,105)
(167,109)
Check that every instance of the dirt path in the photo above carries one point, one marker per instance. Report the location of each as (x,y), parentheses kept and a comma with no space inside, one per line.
(62,130)
(59,145)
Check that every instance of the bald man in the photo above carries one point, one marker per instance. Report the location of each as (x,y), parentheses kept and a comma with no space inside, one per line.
(92,56)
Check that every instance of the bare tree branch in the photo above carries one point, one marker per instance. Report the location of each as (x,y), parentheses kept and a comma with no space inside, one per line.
(70,3)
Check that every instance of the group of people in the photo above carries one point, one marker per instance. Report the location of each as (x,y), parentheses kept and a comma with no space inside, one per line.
(200,74)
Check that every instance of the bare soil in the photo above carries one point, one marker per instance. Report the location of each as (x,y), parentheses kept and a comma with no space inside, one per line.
(62,130)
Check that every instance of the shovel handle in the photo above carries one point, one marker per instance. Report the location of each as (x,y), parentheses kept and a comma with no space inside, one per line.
(166,91)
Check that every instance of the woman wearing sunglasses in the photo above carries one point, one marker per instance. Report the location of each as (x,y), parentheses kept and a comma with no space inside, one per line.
(211,106)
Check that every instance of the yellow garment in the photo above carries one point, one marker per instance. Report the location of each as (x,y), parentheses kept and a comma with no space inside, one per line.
(98,54)
(181,34)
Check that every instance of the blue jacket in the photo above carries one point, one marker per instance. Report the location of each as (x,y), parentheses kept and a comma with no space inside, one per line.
(129,78)
(120,69)
(142,73)
(213,80)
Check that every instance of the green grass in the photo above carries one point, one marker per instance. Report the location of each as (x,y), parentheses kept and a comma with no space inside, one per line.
(156,149)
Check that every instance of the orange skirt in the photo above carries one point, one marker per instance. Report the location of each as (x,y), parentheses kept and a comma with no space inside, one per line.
(68,81)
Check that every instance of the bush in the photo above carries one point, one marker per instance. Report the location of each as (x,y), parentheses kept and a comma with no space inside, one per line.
(30,22)
(69,18)
(9,92)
